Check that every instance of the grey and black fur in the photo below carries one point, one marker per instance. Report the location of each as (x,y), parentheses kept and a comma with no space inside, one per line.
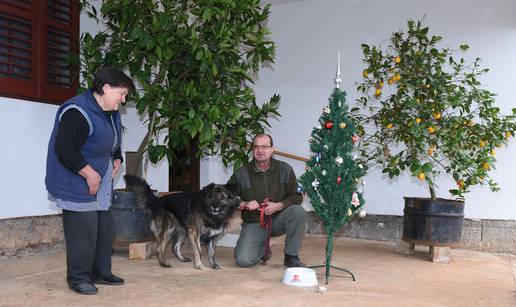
(203,216)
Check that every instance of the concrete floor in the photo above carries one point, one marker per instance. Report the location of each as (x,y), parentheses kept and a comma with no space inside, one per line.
(384,278)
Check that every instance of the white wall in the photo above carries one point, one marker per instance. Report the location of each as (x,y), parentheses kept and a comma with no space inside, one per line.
(310,33)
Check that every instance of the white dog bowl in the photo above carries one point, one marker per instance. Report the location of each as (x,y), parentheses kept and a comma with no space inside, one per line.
(300,277)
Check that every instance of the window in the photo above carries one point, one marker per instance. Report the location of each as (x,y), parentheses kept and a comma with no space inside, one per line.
(36,39)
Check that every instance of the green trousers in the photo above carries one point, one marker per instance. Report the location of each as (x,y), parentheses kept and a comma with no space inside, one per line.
(289,222)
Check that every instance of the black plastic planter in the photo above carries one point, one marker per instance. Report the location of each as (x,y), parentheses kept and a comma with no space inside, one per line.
(132,223)
(432,222)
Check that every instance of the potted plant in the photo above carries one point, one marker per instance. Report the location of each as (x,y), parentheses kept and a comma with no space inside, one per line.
(426,112)
(193,63)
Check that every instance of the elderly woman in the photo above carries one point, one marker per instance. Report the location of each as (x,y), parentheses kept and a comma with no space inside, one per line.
(83,157)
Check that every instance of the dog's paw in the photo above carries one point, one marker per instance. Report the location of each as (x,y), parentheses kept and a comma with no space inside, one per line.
(186,259)
(200,266)
(216,266)
(165,264)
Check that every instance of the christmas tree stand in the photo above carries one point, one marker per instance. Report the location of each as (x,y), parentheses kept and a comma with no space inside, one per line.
(328,269)
(327,263)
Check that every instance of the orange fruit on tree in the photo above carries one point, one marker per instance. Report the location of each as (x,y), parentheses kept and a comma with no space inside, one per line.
(508,134)
(431,129)
(365,73)
(397,77)
(482,143)
(378,92)
(493,152)
(460,183)
(397,59)
(486,166)
(421,176)
(418,120)
(389,125)
(437,115)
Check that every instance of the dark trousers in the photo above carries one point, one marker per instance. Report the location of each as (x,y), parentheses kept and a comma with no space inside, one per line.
(89,239)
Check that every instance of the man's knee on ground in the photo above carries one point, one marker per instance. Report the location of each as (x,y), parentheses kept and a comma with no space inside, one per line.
(245,262)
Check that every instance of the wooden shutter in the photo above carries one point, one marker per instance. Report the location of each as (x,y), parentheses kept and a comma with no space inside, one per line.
(18,48)
(59,79)
(37,37)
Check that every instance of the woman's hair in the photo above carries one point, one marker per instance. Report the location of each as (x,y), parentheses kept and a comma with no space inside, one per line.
(113,77)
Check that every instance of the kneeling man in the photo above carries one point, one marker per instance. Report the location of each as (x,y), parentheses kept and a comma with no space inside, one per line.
(268,187)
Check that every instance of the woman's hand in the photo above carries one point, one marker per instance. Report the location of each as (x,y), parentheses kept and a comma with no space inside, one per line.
(92,178)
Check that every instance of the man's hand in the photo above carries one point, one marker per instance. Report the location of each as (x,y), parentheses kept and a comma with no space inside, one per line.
(250,206)
(273,207)
(92,178)
(116,166)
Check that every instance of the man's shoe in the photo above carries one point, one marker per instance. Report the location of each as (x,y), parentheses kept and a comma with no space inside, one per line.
(111,281)
(83,288)
(293,261)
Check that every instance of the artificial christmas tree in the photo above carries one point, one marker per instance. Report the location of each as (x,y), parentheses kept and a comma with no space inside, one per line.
(333,178)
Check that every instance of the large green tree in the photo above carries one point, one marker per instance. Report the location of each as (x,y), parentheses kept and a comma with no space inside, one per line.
(194,62)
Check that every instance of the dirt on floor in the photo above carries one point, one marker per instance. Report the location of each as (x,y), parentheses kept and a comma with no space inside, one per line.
(383,278)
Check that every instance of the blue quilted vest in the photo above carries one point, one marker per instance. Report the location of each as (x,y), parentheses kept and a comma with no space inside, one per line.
(62,182)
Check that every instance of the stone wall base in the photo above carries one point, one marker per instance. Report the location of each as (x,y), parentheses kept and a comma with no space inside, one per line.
(495,236)
(23,235)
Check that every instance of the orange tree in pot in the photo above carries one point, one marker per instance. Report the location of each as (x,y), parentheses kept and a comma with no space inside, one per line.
(426,112)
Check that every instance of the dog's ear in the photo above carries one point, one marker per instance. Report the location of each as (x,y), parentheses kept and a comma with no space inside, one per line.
(232,187)
(208,187)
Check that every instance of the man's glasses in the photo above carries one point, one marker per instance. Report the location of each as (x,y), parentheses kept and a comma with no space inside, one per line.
(261,147)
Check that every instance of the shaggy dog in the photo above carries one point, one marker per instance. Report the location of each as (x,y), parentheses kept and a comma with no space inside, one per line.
(202,216)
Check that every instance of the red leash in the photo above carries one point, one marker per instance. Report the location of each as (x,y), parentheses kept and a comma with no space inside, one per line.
(266,222)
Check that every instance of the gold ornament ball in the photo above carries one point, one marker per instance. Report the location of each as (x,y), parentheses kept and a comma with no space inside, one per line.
(342,125)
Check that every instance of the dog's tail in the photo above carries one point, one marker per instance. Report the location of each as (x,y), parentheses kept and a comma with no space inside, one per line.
(143,194)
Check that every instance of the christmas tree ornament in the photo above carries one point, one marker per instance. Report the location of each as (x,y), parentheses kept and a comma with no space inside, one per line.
(362,213)
(349,213)
(328,124)
(339,160)
(318,157)
(355,138)
(299,188)
(354,200)
(360,166)
(363,182)
(339,180)
(324,172)
(342,125)
(327,110)
(315,184)
(310,141)
(325,147)
(307,168)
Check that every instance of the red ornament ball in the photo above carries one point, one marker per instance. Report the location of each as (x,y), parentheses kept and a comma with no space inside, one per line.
(339,180)
(328,125)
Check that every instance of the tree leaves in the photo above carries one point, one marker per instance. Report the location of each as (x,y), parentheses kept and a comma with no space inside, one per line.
(429,106)
(192,60)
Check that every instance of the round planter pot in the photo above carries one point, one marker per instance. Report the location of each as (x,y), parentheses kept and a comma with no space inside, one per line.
(132,223)
(432,222)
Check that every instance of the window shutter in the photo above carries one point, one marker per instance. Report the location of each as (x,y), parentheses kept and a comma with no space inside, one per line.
(18,45)
(60,39)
